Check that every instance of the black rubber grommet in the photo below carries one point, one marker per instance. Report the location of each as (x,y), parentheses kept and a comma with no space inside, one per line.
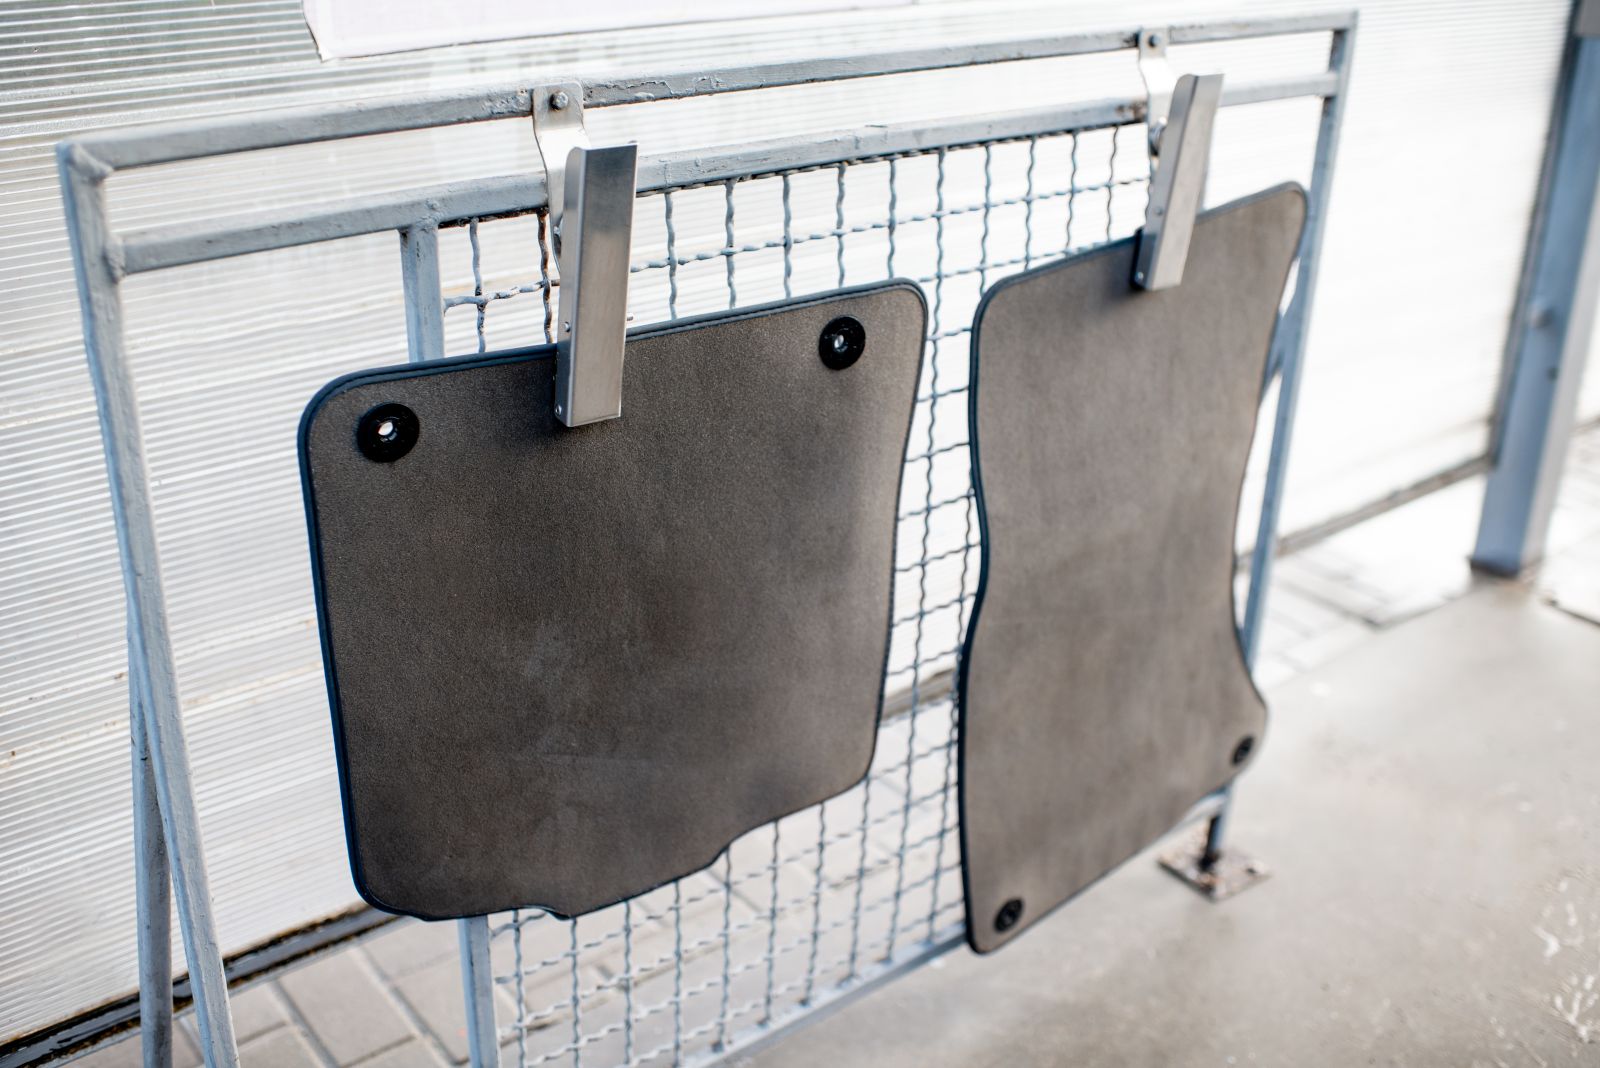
(1241,752)
(842,342)
(1008,915)
(387,432)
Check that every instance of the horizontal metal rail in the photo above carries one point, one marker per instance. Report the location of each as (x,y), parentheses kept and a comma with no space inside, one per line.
(176,245)
(144,146)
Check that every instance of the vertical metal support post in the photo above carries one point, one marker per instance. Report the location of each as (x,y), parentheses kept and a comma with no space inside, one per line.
(95,256)
(1289,343)
(1288,355)
(1551,323)
(477,984)
(152,895)
(1216,833)
(419,268)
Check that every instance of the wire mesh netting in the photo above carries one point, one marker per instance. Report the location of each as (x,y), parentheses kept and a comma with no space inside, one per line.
(804,909)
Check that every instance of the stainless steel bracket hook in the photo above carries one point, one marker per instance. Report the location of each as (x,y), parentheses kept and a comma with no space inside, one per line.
(1180,114)
(590,194)
(1159,81)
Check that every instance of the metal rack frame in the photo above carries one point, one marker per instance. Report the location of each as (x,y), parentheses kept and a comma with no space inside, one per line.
(168,846)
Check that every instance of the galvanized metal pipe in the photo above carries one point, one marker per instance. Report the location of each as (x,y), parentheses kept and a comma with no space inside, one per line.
(152,893)
(1288,355)
(477,985)
(1290,345)
(173,142)
(150,645)
(419,273)
(176,245)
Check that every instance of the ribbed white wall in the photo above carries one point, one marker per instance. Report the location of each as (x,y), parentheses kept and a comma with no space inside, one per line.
(1436,176)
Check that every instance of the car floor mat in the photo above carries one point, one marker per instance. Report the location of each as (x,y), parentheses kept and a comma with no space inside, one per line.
(1103,690)
(568,665)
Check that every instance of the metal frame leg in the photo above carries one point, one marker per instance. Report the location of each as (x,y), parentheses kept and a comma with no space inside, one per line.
(1206,863)
(1202,861)
(1216,830)
(419,272)
(1552,321)
(151,670)
(153,897)
(477,985)
(419,266)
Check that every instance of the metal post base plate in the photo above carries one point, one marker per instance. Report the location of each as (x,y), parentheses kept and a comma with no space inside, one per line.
(1232,872)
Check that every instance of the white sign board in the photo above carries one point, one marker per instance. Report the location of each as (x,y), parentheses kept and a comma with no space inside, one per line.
(347,28)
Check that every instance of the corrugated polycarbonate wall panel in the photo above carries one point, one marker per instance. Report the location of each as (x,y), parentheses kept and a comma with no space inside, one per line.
(1441,148)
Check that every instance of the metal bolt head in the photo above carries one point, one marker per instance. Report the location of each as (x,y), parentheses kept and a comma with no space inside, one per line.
(1154,40)
(559,100)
